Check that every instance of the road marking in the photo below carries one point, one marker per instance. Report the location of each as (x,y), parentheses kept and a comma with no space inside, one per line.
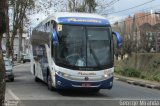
(13,101)
(16,98)
(13,95)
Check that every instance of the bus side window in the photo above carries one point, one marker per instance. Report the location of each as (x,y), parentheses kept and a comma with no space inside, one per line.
(54,24)
(45,27)
(53,50)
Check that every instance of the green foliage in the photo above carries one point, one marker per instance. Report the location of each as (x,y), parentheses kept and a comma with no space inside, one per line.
(143,65)
(129,72)
(143,76)
(156,77)
(156,63)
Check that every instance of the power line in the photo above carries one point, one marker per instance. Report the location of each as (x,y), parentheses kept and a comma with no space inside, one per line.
(130,8)
(150,8)
(137,12)
(105,6)
(136,17)
(142,10)
(112,2)
(109,4)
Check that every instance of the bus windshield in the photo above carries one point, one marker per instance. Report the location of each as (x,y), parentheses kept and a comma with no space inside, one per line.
(84,46)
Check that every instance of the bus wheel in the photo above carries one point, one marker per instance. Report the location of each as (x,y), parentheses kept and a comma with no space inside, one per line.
(49,82)
(36,79)
(95,90)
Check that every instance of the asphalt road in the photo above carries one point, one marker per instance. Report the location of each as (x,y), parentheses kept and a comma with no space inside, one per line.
(31,93)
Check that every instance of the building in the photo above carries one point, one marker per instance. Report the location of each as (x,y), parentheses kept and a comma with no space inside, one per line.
(16,43)
(142,30)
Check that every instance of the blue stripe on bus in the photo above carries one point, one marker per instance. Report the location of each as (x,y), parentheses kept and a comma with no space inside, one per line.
(82,21)
(67,84)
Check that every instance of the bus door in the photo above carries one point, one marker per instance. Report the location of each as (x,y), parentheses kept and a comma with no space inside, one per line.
(41,64)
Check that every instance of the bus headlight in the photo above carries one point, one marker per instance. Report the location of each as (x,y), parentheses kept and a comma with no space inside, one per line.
(62,74)
(105,75)
(65,75)
(108,72)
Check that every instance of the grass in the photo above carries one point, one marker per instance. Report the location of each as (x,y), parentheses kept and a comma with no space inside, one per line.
(144,66)
(131,72)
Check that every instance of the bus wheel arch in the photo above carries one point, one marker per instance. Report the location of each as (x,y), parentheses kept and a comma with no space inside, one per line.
(34,72)
(49,80)
(48,73)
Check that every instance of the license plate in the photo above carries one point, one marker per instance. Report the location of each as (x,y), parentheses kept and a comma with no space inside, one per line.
(86,84)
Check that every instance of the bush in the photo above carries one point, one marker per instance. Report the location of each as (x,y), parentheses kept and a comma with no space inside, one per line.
(129,72)
(156,64)
(142,76)
(157,78)
(118,71)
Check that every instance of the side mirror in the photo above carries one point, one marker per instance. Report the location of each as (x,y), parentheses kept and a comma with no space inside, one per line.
(55,37)
(119,39)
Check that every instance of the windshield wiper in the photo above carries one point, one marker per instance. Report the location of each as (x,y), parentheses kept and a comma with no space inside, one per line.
(94,55)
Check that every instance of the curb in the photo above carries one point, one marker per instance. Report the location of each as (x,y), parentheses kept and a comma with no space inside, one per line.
(138,83)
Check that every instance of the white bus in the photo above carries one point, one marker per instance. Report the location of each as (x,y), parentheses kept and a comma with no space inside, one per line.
(74,50)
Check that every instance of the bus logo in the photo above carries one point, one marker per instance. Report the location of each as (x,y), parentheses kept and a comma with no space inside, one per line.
(85,73)
(86,78)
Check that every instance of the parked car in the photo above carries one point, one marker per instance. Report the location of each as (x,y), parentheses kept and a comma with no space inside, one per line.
(9,70)
(26,58)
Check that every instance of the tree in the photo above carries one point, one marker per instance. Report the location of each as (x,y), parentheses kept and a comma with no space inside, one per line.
(105,6)
(91,6)
(20,8)
(7,32)
(82,6)
(72,4)
(3,22)
(47,7)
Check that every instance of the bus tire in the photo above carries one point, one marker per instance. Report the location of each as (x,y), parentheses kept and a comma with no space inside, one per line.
(49,83)
(34,69)
(36,79)
(95,90)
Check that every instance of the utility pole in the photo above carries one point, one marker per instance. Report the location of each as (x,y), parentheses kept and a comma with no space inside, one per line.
(157,41)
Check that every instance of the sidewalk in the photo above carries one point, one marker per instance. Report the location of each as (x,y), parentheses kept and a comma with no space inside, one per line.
(137,81)
(15,63)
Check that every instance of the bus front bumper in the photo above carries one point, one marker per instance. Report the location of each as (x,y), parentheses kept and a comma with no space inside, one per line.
(62,83)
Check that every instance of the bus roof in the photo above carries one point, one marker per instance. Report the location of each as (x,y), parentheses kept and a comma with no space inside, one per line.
(71,14)
(77,18)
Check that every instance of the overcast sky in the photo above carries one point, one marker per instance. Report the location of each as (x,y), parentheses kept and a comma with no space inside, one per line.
(125,4)
(118,6)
